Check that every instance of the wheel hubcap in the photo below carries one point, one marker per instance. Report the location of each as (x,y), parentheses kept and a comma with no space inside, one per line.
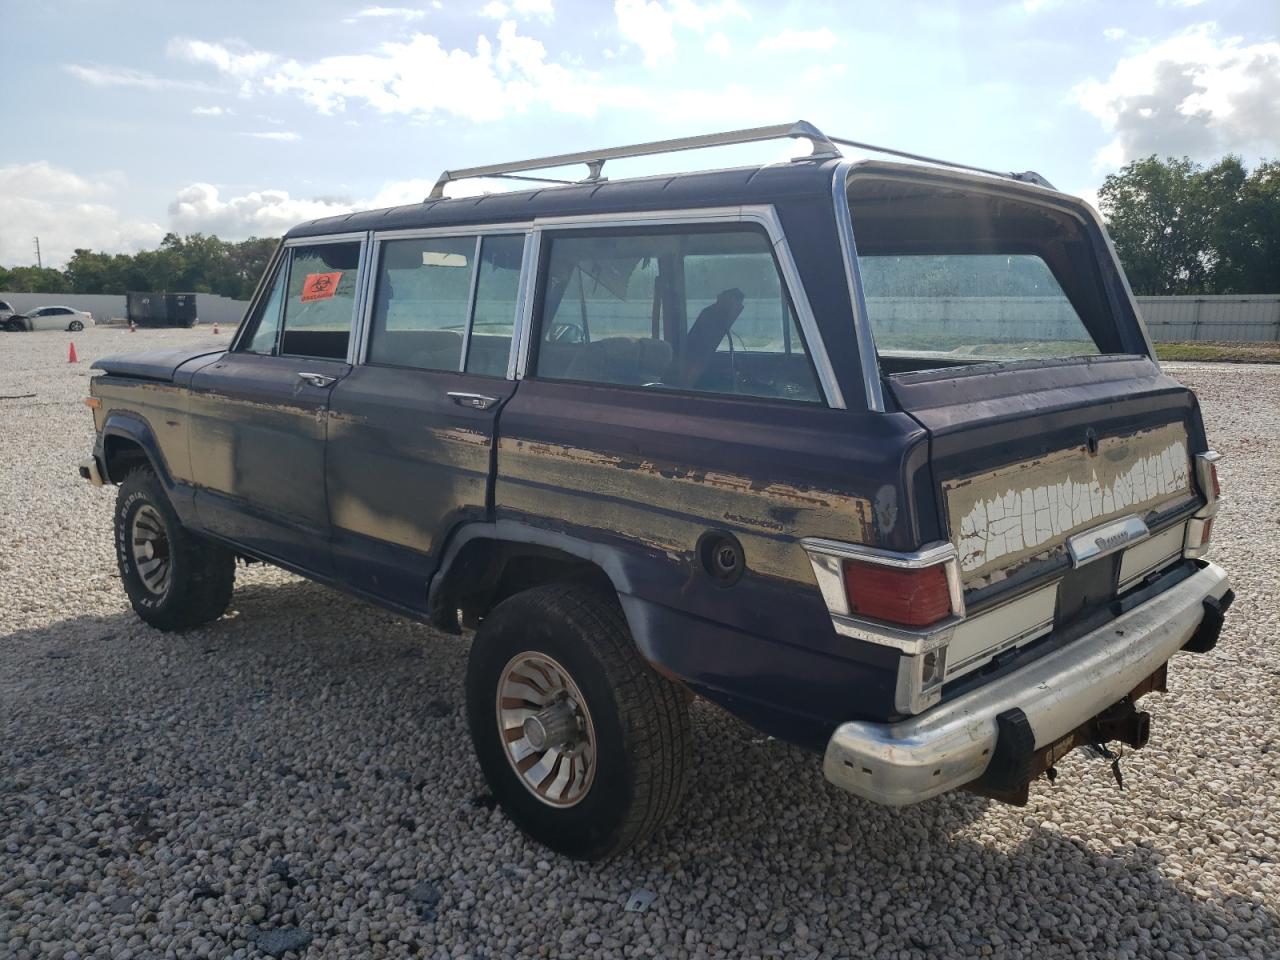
(150,546)
(546,729)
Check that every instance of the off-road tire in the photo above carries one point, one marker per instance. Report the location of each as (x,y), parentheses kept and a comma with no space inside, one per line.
(201,576)
(641,720)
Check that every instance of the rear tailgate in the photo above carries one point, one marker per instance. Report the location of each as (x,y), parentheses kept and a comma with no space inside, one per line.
(1027,457)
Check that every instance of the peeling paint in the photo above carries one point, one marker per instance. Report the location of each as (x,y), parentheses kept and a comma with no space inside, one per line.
(1007,515)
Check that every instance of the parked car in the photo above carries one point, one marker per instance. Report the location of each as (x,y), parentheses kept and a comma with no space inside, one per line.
(50,318)
(721,435)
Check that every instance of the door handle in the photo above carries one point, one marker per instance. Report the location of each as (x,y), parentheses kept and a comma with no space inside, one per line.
(476,401)
(316,379)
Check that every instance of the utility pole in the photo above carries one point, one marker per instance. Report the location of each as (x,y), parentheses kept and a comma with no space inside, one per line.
(39,263)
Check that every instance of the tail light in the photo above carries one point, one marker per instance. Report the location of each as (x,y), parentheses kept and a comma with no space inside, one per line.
(1200,527)
(911,597)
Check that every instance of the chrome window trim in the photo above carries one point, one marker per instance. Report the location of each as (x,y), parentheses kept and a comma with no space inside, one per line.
(524,303)
(362,298)
(764,215)
(326,238)
(465,230)
(869,359)
(470,317)
(260,291)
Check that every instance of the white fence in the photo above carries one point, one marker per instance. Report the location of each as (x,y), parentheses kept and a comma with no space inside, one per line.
(1212,318)
(210,308)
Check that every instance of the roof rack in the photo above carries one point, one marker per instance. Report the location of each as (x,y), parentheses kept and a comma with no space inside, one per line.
(823,147)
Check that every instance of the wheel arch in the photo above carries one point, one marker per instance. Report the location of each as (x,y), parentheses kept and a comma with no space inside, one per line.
(127,442)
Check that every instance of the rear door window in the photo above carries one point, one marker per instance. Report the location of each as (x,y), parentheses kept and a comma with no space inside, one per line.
(420,305)
(494,314)
(697,309)
(320,301)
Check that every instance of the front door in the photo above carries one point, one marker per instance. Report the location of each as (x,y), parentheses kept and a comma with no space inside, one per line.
(411,430)
(258,414)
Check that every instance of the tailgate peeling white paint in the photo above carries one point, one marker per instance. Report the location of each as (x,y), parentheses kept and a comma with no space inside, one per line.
(1015,512)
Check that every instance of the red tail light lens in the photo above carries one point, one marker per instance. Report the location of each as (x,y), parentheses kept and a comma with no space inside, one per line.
(913,598)
(1206,531)
(1213,478)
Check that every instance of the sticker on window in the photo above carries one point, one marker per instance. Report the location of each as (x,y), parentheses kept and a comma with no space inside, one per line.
(320,286)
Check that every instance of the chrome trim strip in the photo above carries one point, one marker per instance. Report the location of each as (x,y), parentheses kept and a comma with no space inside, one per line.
(951,744)
(364,302)
(471,303)
(1106,539)
(765,215)
(325,238)
(869,360)
(520,333)
(465,230)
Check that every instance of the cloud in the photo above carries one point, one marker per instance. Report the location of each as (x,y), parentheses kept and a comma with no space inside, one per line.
(399,13)
(102,75)
(212,111)
(284,136)
(501,9)
(241,63)
(1115,33)
(718,44)
(1196,93)
(65,210)
(787,39)
(651,25)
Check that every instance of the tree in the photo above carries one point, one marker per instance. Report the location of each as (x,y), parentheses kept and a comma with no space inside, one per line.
(1181,228)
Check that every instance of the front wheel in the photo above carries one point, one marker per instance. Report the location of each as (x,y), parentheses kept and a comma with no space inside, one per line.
(586,747)
(175,580)
(75,326)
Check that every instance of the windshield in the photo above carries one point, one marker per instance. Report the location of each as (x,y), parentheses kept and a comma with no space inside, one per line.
(956,276)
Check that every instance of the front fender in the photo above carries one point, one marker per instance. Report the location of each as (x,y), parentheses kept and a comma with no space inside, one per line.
(132,427)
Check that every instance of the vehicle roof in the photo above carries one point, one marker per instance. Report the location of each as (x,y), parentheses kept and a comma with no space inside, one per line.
(714,188)
(768,184)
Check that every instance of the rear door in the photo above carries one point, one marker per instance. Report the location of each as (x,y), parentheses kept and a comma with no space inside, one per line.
(411,429)
(258,414)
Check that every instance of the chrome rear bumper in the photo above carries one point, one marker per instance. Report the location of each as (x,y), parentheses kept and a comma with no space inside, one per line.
(951,744)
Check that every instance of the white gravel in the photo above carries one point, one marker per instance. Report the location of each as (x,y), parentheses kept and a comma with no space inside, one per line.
(298,775)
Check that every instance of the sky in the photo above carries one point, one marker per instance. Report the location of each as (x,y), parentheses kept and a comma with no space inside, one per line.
(125,121)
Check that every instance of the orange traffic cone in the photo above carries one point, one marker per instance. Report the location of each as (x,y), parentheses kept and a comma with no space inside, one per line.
(71,354)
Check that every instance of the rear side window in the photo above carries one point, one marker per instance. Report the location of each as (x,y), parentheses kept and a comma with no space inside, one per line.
(420,307)
(700,310)
(495,307)
(320,301)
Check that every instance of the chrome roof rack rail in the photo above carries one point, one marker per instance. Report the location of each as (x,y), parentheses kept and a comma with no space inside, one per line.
(824,147)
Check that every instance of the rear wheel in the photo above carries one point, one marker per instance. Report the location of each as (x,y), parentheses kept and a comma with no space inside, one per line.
(586,747)
(174,579)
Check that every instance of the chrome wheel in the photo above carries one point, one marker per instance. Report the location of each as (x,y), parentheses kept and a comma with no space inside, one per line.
(546,729)
(150,547)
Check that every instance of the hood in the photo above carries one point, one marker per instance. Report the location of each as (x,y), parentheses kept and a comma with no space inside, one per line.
(154,364)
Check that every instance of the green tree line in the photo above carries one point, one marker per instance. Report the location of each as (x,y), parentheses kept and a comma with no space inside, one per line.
(192,264)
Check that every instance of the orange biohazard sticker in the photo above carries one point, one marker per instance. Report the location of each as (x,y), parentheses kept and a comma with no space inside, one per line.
(320,286)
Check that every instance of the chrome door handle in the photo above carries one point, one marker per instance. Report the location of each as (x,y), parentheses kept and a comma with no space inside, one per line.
(476,401)
(316,379)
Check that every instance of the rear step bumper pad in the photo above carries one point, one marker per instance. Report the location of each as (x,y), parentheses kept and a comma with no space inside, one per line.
(951,744)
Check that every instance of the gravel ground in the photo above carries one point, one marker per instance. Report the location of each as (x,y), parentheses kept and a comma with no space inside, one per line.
(298,775)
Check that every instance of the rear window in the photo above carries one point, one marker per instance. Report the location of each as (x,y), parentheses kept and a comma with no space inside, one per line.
(954,276)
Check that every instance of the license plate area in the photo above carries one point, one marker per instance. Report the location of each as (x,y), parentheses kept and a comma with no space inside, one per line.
(1086,588)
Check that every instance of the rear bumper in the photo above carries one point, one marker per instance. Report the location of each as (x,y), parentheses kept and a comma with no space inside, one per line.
(952,744)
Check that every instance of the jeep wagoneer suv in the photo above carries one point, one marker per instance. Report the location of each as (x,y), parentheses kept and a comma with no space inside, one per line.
(876,456)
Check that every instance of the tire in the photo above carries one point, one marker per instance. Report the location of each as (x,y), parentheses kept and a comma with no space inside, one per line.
(192,584)
(638,722)
(75,326)
(14,325)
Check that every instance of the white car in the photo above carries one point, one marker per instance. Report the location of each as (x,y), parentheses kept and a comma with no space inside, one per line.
(50,318)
